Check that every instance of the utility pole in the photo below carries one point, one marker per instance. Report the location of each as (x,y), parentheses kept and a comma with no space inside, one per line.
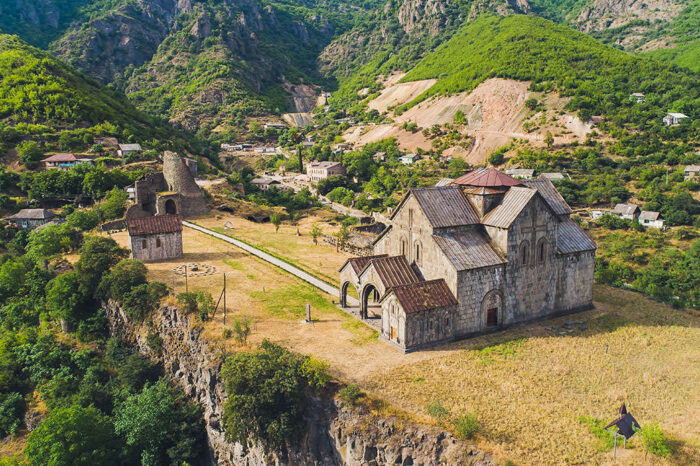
(186,287)
(224,299)
(301,164)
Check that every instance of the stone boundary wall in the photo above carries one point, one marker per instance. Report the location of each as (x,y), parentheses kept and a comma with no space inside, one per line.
(336,435)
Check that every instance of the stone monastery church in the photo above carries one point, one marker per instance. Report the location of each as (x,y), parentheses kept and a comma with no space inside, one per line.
(482,253)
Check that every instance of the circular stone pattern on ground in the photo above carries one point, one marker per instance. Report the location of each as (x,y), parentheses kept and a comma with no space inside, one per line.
(195,270)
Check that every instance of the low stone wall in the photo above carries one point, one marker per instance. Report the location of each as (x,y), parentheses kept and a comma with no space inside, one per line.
(336,435)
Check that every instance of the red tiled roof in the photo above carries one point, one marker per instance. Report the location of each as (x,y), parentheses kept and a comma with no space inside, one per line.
(159,224)
(359,263)
(61,158)
(488,177)
(424,296)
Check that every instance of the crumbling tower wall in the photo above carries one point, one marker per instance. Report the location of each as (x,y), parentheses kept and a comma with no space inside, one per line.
(179,179)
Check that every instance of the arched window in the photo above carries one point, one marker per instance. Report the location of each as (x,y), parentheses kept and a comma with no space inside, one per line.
(541,250)
(403,247)
(524,253)
(418,253)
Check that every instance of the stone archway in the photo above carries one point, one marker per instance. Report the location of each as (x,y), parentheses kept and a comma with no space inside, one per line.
(492,309)
(170,207)
(344,293)
(370,295)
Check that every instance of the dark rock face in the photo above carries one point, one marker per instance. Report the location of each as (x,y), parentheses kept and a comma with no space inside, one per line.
(127,35)
(336,435)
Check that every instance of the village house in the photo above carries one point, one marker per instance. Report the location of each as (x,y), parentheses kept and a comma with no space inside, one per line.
(554,176)
(379,157)
(626,211)
(107,142)
(691,172)
(673,119)
(637,97)
(409,159)
(596,214)
(155,238)
(64,161)
(481,254)
(128,149)
(521,173)
(444,182)
(651,219)
(264,184)
(276,126)
(28,219)
(317,171)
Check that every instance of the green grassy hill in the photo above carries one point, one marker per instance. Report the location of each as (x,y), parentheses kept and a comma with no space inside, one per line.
(41,96)
(598,78)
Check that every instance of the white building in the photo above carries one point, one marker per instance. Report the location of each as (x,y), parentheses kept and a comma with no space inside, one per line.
(317,171)
(409,159)
(126,149)
(673,119)
(521,173)
(626,211)
(651,219)
(691,172)
(638,97)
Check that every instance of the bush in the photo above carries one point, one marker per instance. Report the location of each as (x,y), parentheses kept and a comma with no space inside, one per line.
(496,158)
(437,410)
(30,154)
(466,426)
(11,412)
(196,301)
(125,276)
(144,299)
(655,440)
(85,220)
(241,329)
(350,394)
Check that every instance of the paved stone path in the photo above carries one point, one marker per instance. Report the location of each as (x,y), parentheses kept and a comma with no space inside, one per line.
(320,284)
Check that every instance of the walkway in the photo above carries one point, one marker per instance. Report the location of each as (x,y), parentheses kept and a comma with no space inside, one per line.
(320,284)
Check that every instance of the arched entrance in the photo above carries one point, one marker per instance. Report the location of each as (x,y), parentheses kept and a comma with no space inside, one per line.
(170,207)
(344,294)
(492,309)
(369,303)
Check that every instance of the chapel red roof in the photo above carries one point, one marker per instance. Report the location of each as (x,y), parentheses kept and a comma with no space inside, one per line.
(159,224)
(487,177)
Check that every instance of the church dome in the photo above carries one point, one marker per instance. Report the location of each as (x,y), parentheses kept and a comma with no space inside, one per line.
(486,177)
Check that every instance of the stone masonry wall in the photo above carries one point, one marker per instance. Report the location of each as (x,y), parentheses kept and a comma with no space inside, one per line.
(336,435)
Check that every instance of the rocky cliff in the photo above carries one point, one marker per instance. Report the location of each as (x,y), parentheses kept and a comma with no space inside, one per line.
(336,434)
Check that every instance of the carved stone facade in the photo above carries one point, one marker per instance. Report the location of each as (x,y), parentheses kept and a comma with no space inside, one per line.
(505,250)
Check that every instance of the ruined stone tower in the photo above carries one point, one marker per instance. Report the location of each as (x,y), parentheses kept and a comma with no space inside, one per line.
(179,179)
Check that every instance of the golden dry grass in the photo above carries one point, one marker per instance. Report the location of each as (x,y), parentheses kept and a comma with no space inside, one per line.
(528,385)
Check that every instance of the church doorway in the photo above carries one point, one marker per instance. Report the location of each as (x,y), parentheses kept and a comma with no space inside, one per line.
(170,207)
(492,317)
(344,294)
(369,303)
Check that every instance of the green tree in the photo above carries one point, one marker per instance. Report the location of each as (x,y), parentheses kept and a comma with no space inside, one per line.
(65,299)
(276,221)
(496,158)
(549,139)
(12,276)
(97,256)
(84,219)
(114,204)
(161,425)
(125,276)
(30,154)
(316,232)
(73,436)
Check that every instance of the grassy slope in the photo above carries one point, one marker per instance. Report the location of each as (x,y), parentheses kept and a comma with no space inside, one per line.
(37,88)
(555,57)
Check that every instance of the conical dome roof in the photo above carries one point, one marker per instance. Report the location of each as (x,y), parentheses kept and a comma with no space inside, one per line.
(486,177)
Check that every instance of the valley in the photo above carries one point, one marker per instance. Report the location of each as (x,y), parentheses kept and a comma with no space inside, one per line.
(349,232)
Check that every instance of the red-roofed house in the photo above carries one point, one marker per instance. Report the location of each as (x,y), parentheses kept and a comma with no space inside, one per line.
(64,161)
(156,238)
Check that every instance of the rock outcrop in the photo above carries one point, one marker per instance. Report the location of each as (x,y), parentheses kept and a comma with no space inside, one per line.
(335,435)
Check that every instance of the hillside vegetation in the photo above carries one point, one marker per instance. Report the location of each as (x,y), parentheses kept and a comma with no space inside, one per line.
(555,58)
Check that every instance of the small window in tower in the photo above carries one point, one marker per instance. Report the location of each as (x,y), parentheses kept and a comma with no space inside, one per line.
(158,242)
(143,244)
(540,253)
(418,253)
(523,254)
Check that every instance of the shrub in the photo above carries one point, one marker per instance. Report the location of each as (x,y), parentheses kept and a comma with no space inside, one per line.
(437,410)
(466,426)
(316,372)
(85,220)
(496,158)
(606,438)
(655,440)
(241,329)
(125,276)
(196,301)
(154,341)
(350,394)
(11,412)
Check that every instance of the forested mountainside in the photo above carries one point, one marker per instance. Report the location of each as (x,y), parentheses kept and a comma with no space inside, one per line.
(42,97)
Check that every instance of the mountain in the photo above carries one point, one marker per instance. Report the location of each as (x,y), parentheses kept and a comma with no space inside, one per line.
(38,21)
(598,78)
(41,95)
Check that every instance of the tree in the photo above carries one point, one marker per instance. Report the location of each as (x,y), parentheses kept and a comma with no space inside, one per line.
(12,276)
(531,103)
(114,204)
(84,219)
(265,391)
(496,158)
(241,329)
(276,221)
(65,299)
(30,154)
(125,276)
(73,436)
(549,139)
(161,425)
(97,255)
(342,237)
(316,232)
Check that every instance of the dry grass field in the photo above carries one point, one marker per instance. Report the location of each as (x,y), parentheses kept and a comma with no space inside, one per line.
(528,385)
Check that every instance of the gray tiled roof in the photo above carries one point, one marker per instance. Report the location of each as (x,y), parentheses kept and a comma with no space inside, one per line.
(649,215)
(508,210)
(33,214)
(550,195)
(468,250)
(571,238)
(625,209)
(445,206)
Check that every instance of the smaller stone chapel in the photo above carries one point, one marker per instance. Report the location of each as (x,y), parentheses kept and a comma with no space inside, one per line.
(485,252)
